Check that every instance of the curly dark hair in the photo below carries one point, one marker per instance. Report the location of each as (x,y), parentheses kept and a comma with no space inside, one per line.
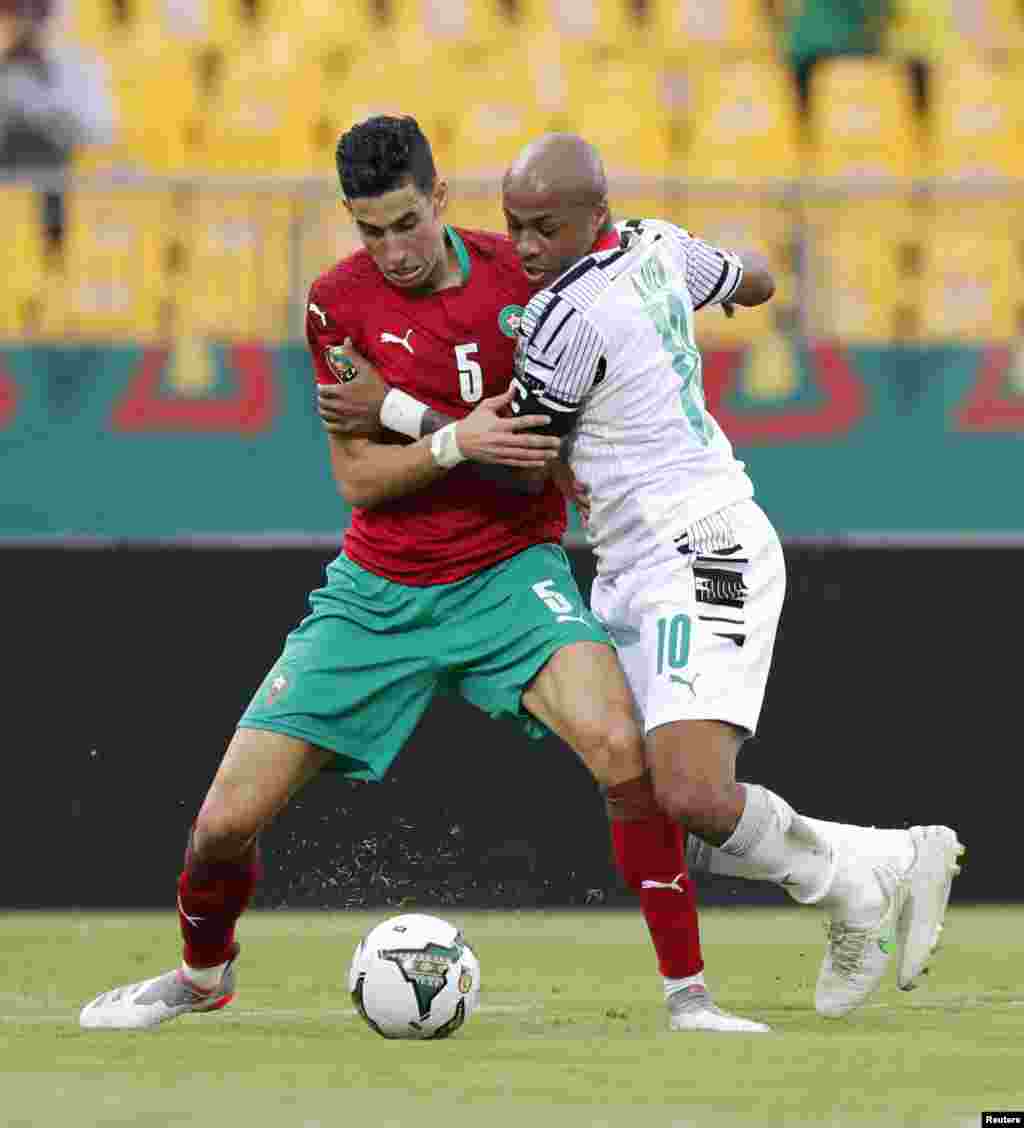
(378,154)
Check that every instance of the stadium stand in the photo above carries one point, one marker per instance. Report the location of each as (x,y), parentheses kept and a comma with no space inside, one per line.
(744,124)
(589,27)
(619,104)
(509,106)
(144,76)
(713,27)
(862,121)
(977,117)
(236,283)
(972,272)
(116,278)
(863,268)
(468,30)
(690,101)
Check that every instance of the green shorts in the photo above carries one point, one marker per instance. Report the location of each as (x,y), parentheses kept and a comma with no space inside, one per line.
(359,671)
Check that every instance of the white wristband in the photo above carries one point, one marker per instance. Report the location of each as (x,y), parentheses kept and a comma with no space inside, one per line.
(403,413)
(444,447)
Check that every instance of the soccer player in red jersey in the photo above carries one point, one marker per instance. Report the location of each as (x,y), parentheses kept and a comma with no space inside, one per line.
(429,394)
(447,579)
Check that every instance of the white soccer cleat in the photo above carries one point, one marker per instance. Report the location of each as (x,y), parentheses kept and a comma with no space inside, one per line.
(930,876)
(858,954)
(147,1004)
(691,1008)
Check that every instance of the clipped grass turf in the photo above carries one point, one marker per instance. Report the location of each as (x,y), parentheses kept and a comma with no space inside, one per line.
(571,1032)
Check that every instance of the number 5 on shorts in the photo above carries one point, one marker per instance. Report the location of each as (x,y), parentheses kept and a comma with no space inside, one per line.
(674,642)
(553,600)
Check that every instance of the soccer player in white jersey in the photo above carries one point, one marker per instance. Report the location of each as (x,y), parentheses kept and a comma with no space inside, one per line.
(690,572)
(691,575)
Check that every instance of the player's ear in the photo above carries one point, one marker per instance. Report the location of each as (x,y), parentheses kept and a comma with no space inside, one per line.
(440,196)
(602,216)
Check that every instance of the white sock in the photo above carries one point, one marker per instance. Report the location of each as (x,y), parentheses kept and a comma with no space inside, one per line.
(205,978)
(674,985)
(772,842)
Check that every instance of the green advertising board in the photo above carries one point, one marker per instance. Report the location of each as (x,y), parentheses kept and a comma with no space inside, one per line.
(130,444)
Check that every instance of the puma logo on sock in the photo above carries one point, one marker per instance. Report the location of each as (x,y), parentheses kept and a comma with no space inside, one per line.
(673,884)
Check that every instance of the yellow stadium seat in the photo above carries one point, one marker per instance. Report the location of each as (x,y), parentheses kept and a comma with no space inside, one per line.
(250,126)
(282,26)
(1006,24)
(977,120)
(356,22)
(101,24)
(350,95)
(236,283)
(23,262)
(739,223)
(506,110)
(862,281)
(470,29)
(972,274)
(688,27)
(744,126)
(583,25)
(619,105)
(159,143)
(862,120)
(116,267)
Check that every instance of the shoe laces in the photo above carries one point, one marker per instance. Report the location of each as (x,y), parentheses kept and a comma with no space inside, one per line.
(846,945)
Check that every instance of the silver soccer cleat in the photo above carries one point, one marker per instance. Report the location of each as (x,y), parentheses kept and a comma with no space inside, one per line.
(692,1009)
(147,1004)
(857,956)
(936,850)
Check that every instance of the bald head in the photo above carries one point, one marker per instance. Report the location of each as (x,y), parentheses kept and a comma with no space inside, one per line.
(555,199)
(558,166)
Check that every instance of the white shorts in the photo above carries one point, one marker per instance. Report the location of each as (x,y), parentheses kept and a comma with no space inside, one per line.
(695,636)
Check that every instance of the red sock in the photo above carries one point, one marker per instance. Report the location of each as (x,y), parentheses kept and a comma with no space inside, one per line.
(211,898)
(650,849)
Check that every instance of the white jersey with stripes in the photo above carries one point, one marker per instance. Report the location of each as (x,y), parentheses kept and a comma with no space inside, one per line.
(613,340)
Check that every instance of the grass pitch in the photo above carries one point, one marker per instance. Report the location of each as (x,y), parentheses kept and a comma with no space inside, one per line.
(571,1032)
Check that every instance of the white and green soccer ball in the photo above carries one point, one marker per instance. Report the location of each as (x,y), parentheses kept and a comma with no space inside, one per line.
(414,976)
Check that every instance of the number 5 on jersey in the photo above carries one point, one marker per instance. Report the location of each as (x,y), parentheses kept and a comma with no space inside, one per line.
(471,376)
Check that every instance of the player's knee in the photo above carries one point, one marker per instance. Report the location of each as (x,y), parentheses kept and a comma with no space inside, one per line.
(221,833)
(695,803)
(613,749)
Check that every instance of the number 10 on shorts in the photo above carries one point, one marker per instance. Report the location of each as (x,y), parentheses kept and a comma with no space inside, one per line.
(673,642)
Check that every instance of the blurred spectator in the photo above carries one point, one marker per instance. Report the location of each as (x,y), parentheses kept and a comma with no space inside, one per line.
(924,32)
(51,100)
(821,29)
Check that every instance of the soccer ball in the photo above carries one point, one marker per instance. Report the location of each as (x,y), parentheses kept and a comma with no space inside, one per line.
(414,976)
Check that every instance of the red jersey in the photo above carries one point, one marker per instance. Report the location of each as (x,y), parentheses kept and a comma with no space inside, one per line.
(449,349)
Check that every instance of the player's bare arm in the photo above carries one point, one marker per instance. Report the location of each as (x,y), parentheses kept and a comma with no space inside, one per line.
(365,402)
(356,407)
(757,284)
(370,472)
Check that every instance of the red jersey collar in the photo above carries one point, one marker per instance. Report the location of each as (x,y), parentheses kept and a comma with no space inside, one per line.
(606,242)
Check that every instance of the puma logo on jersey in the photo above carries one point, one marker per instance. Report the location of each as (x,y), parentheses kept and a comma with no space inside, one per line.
(314,308)
(673,884)
(391,339)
